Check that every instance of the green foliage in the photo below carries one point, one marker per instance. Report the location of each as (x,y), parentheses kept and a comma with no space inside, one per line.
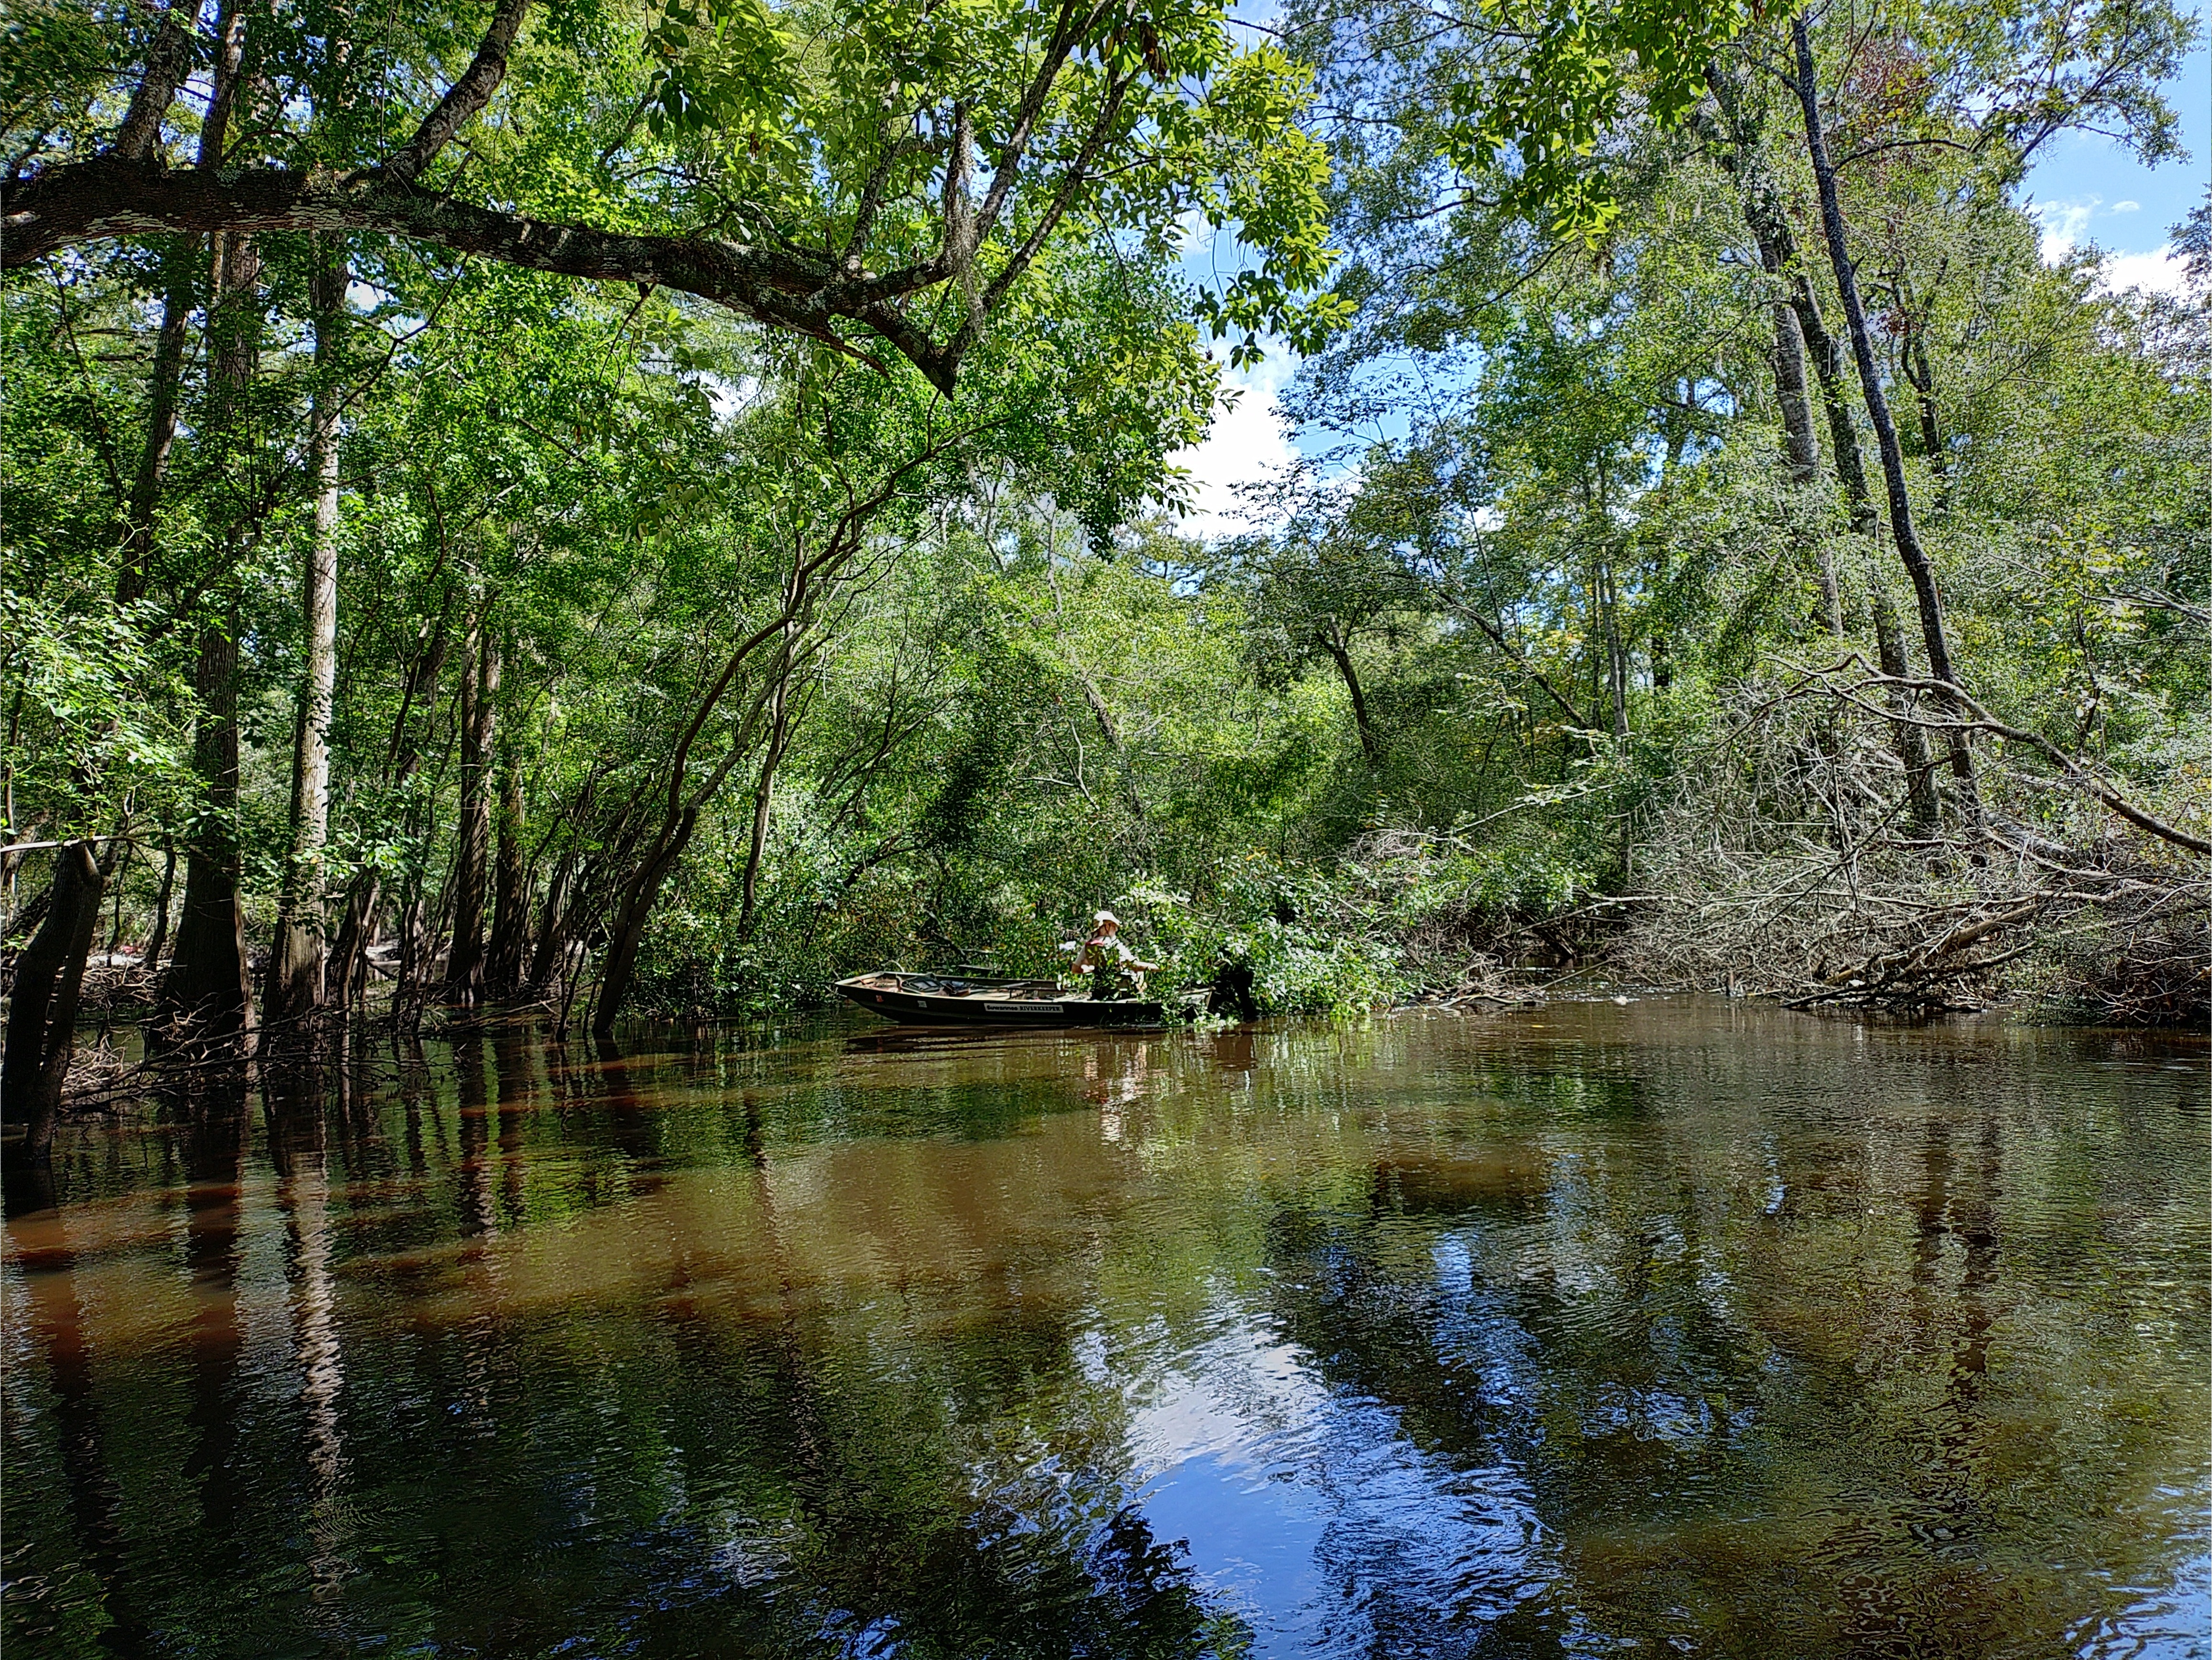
(1485,672)
(1563,96)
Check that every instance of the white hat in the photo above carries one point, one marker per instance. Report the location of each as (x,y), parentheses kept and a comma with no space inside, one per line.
(1105,916)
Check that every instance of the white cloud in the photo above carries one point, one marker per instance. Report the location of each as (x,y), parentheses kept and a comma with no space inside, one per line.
(1250,442)
(2159,271)
(2063,225)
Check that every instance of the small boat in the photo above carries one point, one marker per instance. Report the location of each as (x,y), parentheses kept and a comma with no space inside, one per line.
(940,999)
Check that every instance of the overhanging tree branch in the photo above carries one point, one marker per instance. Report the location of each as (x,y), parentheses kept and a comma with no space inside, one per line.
(113,197)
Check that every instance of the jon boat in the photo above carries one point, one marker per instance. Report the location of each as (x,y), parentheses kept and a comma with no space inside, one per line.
(940,999)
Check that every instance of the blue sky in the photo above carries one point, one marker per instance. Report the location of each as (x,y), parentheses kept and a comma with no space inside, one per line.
(2085,190)
(2108,198)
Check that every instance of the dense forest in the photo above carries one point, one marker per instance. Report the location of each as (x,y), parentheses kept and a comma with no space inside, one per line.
(606,510)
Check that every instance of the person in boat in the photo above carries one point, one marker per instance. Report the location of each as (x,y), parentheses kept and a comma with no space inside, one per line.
(1115,970)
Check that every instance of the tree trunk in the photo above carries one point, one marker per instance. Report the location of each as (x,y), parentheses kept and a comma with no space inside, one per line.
(552,929)
(403,756)
(1743,154)
(510,907)
(1910,739)
(1794,397)
(1827,354)
(763,799)
(205,997)
(294,989)
(1918,371)
(410,972)
(162,896)
(342,974)
(628,932)
(161,436)
(1901,524)
(1792,393)
(1338,650)
(42,1007)
(473,846)
(1616,651)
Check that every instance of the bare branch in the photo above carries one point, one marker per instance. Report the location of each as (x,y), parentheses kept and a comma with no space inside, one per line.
(1982,721)
(465,98)
(168,61)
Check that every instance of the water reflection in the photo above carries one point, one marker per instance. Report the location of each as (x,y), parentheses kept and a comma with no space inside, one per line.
(1678,1328)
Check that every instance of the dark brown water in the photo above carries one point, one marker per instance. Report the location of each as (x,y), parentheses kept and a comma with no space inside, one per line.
(1678,1327)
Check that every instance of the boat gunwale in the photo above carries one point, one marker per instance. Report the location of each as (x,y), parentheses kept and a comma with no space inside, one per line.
(884,993)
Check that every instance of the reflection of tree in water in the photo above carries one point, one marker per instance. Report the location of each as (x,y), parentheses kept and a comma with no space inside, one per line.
(1939,1506)
(44,1608)
(701,1484)
(869,1489)
(114,1439)
(480,1212)
(1756,1397)
(215,1139)
(702,1480)
(1345,1291)
(1714,1462)
(293,1096)
(518,1094)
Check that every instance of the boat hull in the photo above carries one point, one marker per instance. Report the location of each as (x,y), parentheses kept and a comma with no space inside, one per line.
(966,1003)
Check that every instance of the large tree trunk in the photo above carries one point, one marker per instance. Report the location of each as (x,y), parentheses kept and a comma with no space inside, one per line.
(42,1006)
(1792,393)
(294,989)
(1827,353)
(205,997)
(1903,530)
(472,843)
(1742,150)
(628,933)
(1911,741)
(1778,253)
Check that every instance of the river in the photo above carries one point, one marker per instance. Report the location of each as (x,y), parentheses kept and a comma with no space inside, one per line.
(1680,1327)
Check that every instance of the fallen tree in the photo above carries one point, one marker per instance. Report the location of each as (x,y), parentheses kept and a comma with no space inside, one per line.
(1789,865)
